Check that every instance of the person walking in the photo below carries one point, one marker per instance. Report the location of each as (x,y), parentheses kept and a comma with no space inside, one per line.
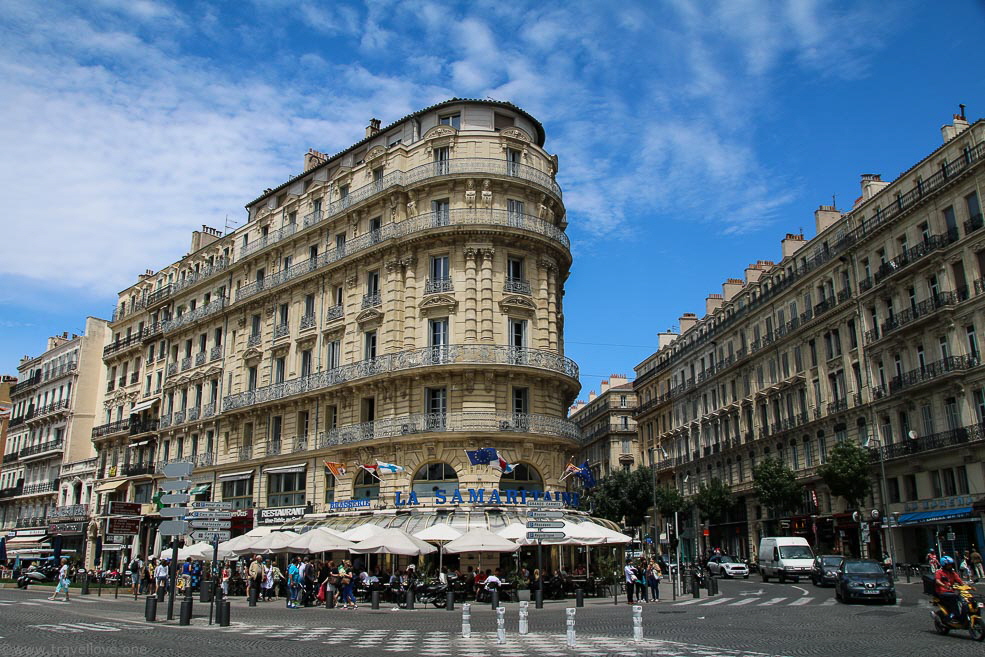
(294,583)
(977,570)
(135,568)
(147,577)
(653,580)
(63,580)
(186,576)
(345,573)
(224,580)
(630,576)
(256,577)
(641,588)
(161,575)
(268,581)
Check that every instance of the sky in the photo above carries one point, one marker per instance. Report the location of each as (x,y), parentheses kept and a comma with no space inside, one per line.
(692,136)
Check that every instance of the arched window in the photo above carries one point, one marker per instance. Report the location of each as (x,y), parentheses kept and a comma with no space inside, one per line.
(435,476)
(366,486)
(523,477)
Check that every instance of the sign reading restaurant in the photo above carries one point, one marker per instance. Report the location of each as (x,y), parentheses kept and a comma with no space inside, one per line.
(495,497)
(278,515)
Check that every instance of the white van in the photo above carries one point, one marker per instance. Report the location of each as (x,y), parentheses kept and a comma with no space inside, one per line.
(785,557)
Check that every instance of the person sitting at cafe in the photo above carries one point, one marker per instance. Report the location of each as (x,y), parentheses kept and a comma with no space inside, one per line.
(479,581)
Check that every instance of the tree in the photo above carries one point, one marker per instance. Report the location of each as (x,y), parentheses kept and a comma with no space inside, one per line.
(713,499)
(847,472)
(776,486)
(622,494)
(670,501)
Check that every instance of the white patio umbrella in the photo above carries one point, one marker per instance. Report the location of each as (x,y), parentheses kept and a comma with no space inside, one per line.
(515,531)
(394,541)
(252,535)
(205,551)
(481,540)
(273,542)
(319,540)
(361,533)
(439,533)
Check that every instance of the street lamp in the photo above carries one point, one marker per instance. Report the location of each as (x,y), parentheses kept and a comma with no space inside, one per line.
(872,441)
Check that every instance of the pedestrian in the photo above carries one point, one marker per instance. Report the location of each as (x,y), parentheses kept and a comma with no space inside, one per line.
(653,580)
(978,572)
(161,575)
(278,581)
(268,581)
(965,566)
(308,581)
(630,576)
(186,576)
(64,580)
(347,581)
(934,562)
(641,587)
(147,577)
(224,581)
(256,577)
(136,566)
(294,583)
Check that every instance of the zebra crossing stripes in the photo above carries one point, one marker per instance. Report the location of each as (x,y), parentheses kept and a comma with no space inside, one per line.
(801,601)
(744,601)
(771,601)
(692,601)
(719,601)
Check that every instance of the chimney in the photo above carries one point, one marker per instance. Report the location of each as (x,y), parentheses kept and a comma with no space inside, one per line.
(753,272)
(687,322)
(713,302)
(732,287)
(959,125)
(664,338)
(617,380)
(872,184)
(313,158)
(603,386)
(792,243)
(373,128)
(591,396)
(827,216)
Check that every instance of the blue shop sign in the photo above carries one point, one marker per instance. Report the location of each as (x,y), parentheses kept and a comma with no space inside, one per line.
(349,504)
(478,496)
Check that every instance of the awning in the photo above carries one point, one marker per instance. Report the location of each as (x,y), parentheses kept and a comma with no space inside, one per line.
(236,476)
(934,516)
(27,543)
(200,489)
(111,486)
(143,406)
(300,467)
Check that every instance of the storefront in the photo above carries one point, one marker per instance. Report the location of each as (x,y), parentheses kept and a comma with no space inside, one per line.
(940,525)
(28,544)
(68,523)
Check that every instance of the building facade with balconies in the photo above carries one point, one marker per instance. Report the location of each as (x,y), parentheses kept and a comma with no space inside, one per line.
(400,301)
(53,411)
(870,331)
(608,426)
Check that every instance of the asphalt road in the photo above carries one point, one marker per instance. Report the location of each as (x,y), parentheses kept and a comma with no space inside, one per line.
(747,618)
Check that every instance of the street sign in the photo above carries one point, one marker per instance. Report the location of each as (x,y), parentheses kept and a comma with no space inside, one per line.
(546,504)
(174,511)
(123,526)
(178,469)
(545,536)
(215,506)
(210,524)
(123,509)
(173,528)
(545,524)
(213,515)
(175,498)
(201,535)
(176,484)
(544,515)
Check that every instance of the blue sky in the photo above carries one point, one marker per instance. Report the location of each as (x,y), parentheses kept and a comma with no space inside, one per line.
(691,135)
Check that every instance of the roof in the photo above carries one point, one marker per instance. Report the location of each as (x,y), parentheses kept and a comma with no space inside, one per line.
(431,108)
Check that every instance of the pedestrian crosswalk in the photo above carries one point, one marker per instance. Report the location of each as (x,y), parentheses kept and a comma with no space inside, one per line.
(759,601)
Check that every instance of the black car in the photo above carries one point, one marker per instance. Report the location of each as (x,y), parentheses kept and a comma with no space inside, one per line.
(825,570)
(864,579)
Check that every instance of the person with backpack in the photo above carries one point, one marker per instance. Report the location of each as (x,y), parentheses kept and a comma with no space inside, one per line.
(136,565)
(294,583)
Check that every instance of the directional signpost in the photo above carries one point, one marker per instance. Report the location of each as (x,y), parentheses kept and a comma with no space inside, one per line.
(539,519)
(544,515)
(211,522)
(210,536)
(545,536)
(179,472)
(545,524)
(545,504)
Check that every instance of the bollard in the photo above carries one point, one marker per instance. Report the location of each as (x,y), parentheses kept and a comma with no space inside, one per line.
(450,601)
(374,599)
(500,625)
(185,613)
(466,621)
(715,586)
(571,626)
(160,594)
(205,593)
(410,599)
(253,596)
(637,623)
(330,599)
(99,590)
(494,598)
(695,586)
(908,575)
(85,583)
(539,599)
(224,620)
(116,593)
(524,612)
(150,609)
(579,598)
(615,593)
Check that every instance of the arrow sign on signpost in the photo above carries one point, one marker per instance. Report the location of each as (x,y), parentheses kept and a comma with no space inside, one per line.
(210,524)
(178,469)
(173,528)
(213,515)
(214,506)
(544,515)
(175,498)
(176,484)
(211,537)
(174,511)
(545,524)
(545,536)
(546,504)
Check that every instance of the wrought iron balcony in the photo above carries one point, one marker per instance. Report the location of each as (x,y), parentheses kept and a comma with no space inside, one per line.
(950,439)
(111,385)
(42,448)
(10,458)
(923,309)
(165,420)
(253,340)
(111,427)
(152,332)
(147,426)
(282,330)
(172,368)
(926,373)
(205,272)
(193,316)
(245,453)
(134,377)
(192,414)
(38,488)
(137,469)
(208,410)
(516,286)
(435,285)
(372,300)
(334,313)
(53,407)
(55,372)
(915,253)
(160,295)
(307,321)
(120,345)
(274,447)
(974,223)
(471,354)
(177,417)
(186,363)
(200,358)
(127,309)
(13,491)
(838,405)
(216,352)
(272,237)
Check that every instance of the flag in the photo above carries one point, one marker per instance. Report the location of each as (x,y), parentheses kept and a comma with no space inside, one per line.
(372,469)
(5,408)
(382,466)
(337,469)
(586,476)
(570,469)
(483,456)
(506,467)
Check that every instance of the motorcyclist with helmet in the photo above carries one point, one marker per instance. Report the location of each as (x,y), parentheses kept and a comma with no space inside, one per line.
(945,579)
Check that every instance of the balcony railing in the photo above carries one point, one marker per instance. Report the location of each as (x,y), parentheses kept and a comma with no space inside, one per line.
(410,226)
(307,321)
(55,372)
(137,469)
(111,427)
(274,447)
(134,377)
(204,458)
(218,265)
(282,330)
(406,360)
(516,286)
(119,345)
(53,407)
(42,448)
(208,410)
(186,363)
(160,295)
(334,313)
(436,285)
(215,353)
(147,426)
(923,309)
(264,241)
(958,437)
(172,368)
(190,317)
(372,300)
(12,491)
(192,414)
(10,458)
(245,453)
(253,340)
(200,358)
(915,253)
(974,223)
(926,373)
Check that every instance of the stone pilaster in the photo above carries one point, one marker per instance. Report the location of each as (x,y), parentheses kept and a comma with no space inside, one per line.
(486,308)
(471,294)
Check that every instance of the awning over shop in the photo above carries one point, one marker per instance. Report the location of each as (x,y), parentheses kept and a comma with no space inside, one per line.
(300,467)
(934,516)
(143,406)
(200,489)
(111,486)
(32,543)
(236,476)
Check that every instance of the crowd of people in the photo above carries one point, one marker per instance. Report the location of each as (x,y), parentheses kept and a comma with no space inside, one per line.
(643,579)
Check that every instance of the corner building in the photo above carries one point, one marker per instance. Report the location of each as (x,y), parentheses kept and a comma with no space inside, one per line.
(400,301)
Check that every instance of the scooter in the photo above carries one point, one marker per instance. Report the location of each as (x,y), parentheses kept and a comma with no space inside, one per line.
(433,592)
(969,615)
(35,575)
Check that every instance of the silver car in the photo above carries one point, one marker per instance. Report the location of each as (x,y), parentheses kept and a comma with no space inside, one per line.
(726,566)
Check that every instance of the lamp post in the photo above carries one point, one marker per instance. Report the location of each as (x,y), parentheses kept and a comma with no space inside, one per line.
(872,441)
(653,471)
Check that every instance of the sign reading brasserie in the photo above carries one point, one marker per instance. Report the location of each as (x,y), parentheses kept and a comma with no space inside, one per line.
(938,503)
(495,497)
(280,514)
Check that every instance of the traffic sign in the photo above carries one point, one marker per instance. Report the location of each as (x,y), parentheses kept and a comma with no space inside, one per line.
(545,524)
(173,528)
(546,504)
(175,498)
(174,511)
(214,515)
(176,484)
(545,536)
(178,469)
(123,509)
(544,515)
(201,535)
(210,524)
(215,506)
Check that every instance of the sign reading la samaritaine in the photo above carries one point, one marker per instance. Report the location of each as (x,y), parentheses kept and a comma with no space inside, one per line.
(495,497)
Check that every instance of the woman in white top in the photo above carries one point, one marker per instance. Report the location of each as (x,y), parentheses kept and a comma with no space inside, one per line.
(63,581)
(268,581)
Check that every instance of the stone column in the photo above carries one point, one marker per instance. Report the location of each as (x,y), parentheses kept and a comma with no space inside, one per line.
(487,294)
(410,297)
(543,330)
(552,306)
(471,294)
(393,309)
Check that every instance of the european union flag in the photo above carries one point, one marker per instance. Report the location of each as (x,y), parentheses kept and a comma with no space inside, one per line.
(586,476)
(483,456)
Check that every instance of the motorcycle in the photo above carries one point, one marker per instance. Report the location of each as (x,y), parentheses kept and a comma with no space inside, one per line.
(432,592)
(969,615)
(37,574)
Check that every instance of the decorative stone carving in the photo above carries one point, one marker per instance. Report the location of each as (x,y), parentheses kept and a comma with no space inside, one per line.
(411,204)
(487,195)
(470,193)
(252,353)
(374,159)
(392,199)
(369,316)
(442,302)
(517,305)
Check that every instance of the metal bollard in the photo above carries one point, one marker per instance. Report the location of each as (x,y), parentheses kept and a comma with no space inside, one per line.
(374,599)
(695,586)
(410,599)
(116,593)
(500,625)
(160,593)
(224,607)
(450,601)
(85,583)
(330,599)
(571,626)
(185,613)
(254,593)
(467,621)
(494,598)
(99,590)
(205,594)
(150,609)
(579,598)
(637,623)
(539,599)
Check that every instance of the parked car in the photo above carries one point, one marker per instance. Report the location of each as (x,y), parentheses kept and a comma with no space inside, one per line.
(726,566)
(864,579)
(825,570)
(785,557)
